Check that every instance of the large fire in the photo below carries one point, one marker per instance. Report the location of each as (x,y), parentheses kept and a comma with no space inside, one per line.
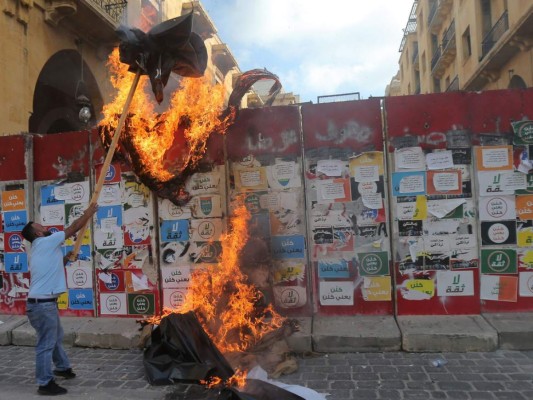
(194,111)
(224,302)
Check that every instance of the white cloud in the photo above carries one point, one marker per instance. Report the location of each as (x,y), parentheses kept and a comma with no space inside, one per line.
(316,47)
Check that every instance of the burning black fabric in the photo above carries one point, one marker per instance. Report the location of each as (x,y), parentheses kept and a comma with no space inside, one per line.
(170,46)
(174,188)
(180,350)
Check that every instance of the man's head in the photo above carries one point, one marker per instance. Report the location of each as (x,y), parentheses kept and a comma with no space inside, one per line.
(32,231)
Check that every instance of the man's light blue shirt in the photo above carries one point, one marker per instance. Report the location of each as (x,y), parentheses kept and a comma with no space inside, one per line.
(47,271)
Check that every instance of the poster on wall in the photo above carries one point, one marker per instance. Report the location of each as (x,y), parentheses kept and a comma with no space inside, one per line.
(347,208)
(127,278)
(14,275)
(266,175)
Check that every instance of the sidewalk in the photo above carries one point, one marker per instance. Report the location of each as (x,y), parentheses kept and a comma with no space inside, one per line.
(458,333)
(105,374)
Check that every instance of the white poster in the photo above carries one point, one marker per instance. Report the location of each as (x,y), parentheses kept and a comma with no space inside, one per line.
(336,293)
(497,208)
(455,283)
(176,277)
(410,158)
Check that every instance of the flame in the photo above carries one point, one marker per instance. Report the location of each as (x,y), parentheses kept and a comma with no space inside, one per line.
(237,380)
(194,111)
(222,299)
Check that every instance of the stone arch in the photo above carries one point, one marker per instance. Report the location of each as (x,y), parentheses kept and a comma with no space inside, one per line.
(517,82)
(54,98)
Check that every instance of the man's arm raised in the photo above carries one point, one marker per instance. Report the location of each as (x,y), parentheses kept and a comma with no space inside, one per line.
(81,221)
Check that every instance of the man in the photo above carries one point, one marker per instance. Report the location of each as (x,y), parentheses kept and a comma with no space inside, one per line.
(47,282)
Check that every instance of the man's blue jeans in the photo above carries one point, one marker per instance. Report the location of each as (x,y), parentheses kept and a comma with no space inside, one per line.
(44,317)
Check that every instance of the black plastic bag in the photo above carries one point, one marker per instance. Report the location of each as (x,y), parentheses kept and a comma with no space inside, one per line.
(181,351)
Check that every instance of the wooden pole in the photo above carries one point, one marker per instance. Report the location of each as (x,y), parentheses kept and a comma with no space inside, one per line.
(107,161)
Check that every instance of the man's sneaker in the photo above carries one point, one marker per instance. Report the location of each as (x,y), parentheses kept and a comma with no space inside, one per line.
(51,389)
(67,374)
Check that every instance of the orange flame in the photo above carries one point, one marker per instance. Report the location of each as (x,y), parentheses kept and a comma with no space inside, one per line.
(223,301)
(194,110)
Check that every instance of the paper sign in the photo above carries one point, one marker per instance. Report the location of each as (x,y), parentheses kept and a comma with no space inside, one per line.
(366,159)
(336,293)
(524,234)
(437,244)
(79,277)
(373,264)
(497,208)
(333,268)
(290,296)
(497,233)
(491,183)
(109,240)
(170,211)
(408,183)
(113,304)
(80,299)
(499,288)
(172,231)
(525,284)
(251,178)
(491,158)
(111,216)
(463,241)
(204,230)
(208,206)
(498,261)
(330,167)
(416,210)
(288,246)
(439,160)
(290,271)
(176,277)
(110,195)
(455,283)
(14,221)
(174,298)
(206,182)
(441,208)
(366,173)
(377,288)
(48,195)
(418,289)
(373,201)
(524,207)
(410,158)
(53,215)
(283,175)
(14,200)
(444,182)
(333,190)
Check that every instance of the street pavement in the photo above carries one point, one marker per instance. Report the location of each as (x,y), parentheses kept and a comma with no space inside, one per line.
(118,374)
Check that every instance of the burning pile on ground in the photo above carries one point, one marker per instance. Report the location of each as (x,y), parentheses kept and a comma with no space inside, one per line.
(222,314)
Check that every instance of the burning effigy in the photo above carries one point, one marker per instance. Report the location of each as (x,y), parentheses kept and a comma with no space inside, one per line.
(223,329)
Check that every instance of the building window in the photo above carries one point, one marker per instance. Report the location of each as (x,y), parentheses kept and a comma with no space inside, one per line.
(436,85)
(467,44)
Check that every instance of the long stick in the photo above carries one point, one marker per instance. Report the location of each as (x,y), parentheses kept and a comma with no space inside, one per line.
(107,161)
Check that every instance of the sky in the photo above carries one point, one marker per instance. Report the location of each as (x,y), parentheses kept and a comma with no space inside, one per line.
(316,47)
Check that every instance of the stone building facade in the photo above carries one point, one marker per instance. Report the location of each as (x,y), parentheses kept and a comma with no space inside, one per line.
(472,45)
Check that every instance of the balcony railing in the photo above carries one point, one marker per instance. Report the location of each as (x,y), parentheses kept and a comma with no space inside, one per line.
(432,11)
(454,85)
(495,34)
(449,36)
(414,59)
(436,57)
(113,8)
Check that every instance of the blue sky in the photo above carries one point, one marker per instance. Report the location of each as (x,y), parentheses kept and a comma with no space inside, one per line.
(316,47)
